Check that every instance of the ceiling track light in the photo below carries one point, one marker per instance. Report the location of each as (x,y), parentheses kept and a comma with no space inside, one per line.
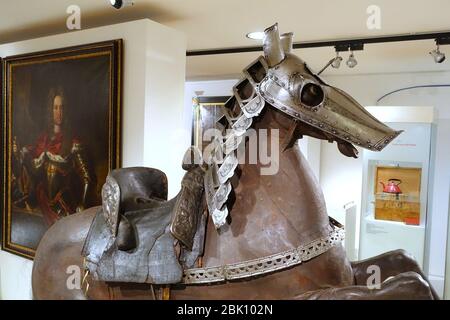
(119,4)
(344,47)
(437,55)
(346,43)
(442,40)
(337,61)
(351,62)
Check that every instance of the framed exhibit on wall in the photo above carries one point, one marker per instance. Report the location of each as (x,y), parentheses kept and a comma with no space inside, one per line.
(60,137)
(397,194)
(207,111)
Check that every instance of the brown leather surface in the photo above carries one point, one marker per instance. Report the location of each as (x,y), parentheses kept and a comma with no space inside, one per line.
(60,248)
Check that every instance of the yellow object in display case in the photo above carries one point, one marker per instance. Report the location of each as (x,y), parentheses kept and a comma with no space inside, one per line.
(397,194)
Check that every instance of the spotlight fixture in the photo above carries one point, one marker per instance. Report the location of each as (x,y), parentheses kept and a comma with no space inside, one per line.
(351,62)
(258,35)
(337,61)
(437,55)
(119,4)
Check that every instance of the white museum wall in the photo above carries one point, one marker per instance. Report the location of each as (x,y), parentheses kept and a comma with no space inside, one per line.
(154,76)
(447,269)
(166,139)
(341,177)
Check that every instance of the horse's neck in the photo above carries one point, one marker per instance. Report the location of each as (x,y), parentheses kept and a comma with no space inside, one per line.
(270,213)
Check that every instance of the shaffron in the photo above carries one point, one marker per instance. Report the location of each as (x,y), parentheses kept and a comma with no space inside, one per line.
(283,81)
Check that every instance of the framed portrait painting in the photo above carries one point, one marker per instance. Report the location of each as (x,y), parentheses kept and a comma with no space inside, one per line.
(60,137)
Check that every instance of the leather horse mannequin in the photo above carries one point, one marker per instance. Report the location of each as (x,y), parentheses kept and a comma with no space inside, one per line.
(265,237)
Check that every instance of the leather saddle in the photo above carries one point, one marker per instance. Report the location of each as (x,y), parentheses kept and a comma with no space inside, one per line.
(138,236)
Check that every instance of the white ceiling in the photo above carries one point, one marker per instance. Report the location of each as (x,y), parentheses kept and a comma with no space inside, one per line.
(217,24)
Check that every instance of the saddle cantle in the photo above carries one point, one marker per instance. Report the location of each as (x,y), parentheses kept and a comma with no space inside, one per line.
(134,236)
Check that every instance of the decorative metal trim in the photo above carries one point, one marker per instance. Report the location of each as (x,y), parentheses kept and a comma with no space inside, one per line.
(111,203)
(264,265)
(217,186)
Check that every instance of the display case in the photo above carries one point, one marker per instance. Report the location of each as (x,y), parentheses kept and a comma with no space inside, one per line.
(395,189)
(396,195)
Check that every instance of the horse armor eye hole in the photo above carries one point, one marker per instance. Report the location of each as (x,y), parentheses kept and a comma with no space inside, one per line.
(311,95)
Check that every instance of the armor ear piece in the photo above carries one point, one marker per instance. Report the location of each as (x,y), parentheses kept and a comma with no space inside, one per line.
(273,50)
(287,42)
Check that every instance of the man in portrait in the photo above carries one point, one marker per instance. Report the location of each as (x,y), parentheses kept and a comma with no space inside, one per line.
(52,174)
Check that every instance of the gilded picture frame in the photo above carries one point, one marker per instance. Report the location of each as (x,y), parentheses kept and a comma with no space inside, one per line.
(206,110)
(61,135)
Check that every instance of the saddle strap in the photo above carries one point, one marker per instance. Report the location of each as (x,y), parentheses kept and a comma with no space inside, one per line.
(268,264)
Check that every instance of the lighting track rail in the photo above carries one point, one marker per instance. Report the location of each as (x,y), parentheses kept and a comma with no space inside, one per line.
(340,45)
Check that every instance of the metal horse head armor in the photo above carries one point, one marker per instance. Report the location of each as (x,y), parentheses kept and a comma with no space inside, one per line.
(285,81)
